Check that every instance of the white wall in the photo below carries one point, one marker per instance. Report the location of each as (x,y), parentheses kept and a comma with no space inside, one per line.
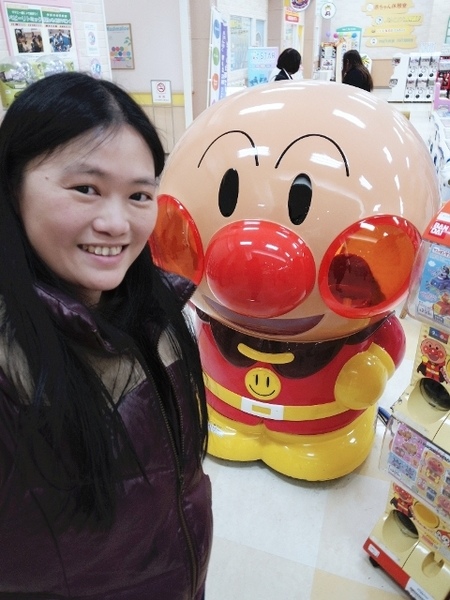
(156,35)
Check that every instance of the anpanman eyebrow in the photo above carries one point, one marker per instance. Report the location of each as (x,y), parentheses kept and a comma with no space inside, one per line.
(252,143)
(319,135)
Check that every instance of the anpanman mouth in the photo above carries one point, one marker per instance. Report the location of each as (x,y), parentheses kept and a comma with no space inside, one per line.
(295,326)
(102,250)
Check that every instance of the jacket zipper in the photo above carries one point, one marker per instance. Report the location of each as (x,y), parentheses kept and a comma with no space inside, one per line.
(193,559)
(180,475)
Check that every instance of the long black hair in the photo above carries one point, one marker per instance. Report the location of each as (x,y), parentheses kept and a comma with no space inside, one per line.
(352,60)
(68,411)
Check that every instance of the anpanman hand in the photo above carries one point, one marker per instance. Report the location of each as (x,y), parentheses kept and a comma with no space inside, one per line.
(363,378)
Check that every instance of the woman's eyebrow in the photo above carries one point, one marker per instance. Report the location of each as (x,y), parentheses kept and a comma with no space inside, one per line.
(87,169)
(84,168)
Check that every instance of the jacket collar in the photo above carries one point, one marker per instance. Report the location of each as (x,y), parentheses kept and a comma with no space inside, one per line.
(77,321)
(72,317)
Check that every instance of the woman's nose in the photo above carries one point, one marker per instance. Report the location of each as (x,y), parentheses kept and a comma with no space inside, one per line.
(113,218)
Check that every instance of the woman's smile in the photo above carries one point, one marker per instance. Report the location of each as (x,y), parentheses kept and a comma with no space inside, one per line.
(102,250)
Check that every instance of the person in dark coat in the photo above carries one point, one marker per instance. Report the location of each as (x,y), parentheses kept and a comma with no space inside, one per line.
(354,72)
(103,423)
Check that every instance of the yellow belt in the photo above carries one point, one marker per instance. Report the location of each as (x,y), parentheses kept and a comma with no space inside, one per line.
(277,412)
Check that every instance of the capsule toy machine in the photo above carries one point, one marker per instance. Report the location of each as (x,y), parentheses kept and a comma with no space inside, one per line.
(296,208)
(411,540)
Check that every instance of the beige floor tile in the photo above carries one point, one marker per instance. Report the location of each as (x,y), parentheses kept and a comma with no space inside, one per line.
(352,510)
(256,507)
(241,573)
(326,587)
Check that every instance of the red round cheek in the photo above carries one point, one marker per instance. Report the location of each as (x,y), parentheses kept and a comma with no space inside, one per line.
(175,241)
(367,268)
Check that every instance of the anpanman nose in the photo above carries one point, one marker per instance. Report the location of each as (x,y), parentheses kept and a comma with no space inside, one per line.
(259,269)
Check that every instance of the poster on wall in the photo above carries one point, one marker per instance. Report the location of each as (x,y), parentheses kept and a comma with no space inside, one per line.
(218,64)
(91,36)
(120,46)
(351,35)
(387,27)
(261,63)
(240,41)
(37,29)
(394,24)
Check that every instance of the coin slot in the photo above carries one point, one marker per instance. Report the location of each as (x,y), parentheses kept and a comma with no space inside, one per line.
(432,567)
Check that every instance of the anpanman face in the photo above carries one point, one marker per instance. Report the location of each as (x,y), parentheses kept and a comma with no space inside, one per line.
(297,208)
(89,208)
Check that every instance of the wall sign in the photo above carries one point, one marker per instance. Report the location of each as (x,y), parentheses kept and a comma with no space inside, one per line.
(299,4)
(36,29)
(120,46)
(328,10)
(161,91)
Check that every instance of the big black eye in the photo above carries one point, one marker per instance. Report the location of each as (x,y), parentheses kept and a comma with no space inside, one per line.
(228,192)
(299,198)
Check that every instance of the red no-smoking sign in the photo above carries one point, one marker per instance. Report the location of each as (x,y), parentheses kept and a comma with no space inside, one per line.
(161,92)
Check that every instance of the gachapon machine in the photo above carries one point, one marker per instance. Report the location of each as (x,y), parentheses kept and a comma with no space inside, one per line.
(411,540)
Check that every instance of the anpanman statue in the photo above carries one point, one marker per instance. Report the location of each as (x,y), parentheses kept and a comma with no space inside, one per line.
(297,208)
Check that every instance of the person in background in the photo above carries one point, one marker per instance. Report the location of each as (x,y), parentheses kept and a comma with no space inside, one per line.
(102,407)
(354,72)
(288,64)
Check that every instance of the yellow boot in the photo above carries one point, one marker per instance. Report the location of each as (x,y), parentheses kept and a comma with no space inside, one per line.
(311,457)
(232,440)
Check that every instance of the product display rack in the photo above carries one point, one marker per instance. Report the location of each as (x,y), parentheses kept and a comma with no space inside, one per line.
(414,76)
(411,540)
(439,147)
(443,74)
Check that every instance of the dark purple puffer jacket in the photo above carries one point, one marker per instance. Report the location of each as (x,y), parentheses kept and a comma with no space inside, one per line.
(159,545)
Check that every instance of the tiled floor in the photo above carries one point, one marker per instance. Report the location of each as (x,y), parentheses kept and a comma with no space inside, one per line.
(282,539)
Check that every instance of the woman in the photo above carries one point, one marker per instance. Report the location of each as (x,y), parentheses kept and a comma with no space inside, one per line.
(354,72)
(102,407)
(288,64)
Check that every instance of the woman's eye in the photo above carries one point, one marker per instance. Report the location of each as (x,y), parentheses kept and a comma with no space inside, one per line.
(84,189)
(140,197)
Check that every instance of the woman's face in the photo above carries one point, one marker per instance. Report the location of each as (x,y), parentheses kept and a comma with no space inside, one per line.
(89,208)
